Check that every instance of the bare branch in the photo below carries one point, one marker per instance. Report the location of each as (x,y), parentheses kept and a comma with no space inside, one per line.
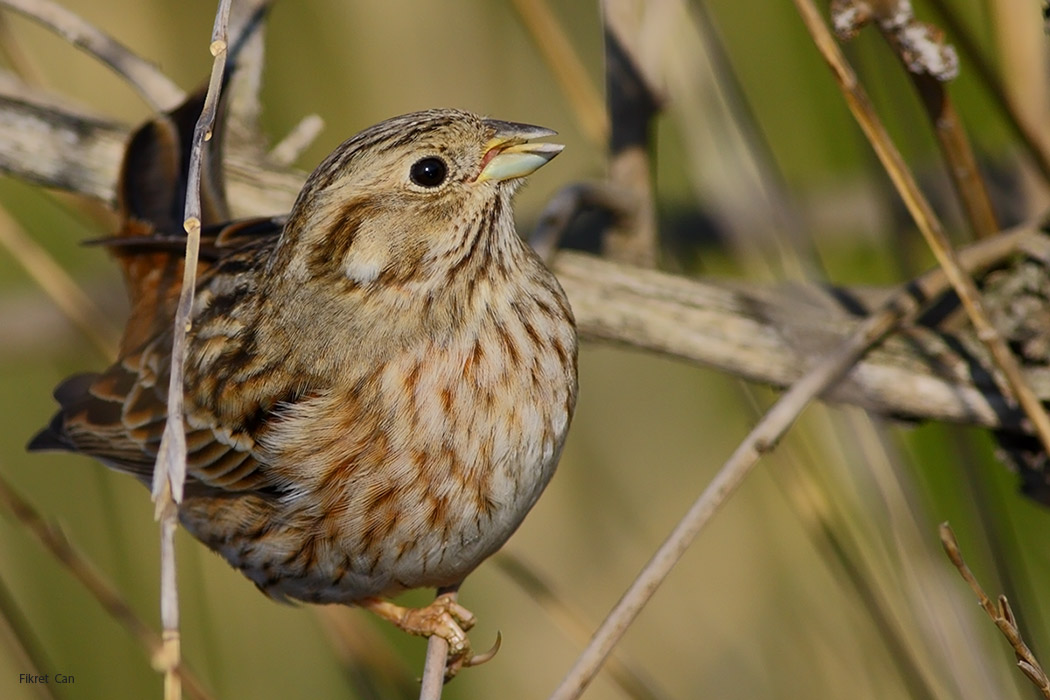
(434,668)
(930,62)
(154,87)
(169,473)
(925,218)
(762,334)
(1000,614)
(44,141)
(767,335)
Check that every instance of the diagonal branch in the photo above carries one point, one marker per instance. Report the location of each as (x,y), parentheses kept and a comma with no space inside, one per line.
(1000,614)
(930,63)
(761,333)
(763,438)
(926,219)
(154,87)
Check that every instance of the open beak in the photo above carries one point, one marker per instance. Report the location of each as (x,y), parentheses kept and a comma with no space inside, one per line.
(509,155)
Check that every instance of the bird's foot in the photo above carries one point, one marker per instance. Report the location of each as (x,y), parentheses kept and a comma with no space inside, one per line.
(444,618)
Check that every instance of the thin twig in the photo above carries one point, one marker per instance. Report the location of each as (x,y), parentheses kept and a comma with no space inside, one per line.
(101,590)
(633,681)
(760,440)
(564,62)
(1000,614)
(434,668)
(1028,134)
(929,63)
(759,332)
(154,87)
(433,679)
(925,219)
(169,474)
(59,287)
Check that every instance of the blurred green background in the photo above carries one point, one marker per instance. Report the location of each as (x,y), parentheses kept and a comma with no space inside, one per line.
(822,578)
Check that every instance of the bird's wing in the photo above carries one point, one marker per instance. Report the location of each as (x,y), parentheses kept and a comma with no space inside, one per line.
(118,416)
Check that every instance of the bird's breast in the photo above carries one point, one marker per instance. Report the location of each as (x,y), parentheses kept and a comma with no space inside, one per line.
(423,465)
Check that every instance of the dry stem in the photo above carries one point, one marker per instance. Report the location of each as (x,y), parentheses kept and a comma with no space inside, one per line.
(929,62)
(1025,131)
(925,218)
(169,473)
(761,439)
(1000,614)
(433,679)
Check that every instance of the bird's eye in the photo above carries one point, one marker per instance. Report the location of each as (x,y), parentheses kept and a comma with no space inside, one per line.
(429,172)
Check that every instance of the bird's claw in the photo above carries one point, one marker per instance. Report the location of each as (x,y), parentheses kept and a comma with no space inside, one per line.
(444,618)
(457,663)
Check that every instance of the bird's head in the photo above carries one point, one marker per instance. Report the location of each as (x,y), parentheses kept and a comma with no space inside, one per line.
(416,195)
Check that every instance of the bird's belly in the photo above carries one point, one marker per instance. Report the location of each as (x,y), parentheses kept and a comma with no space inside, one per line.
(427,535)
(415,496)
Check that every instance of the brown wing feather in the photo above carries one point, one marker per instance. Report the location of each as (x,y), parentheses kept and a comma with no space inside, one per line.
(119,419)
(118,416)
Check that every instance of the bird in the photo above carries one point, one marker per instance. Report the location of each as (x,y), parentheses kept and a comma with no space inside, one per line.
(378,385)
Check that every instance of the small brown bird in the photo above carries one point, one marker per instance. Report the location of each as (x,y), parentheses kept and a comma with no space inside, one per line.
(377,388)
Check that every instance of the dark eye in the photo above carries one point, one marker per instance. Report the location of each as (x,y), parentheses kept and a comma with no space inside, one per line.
(429,172)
